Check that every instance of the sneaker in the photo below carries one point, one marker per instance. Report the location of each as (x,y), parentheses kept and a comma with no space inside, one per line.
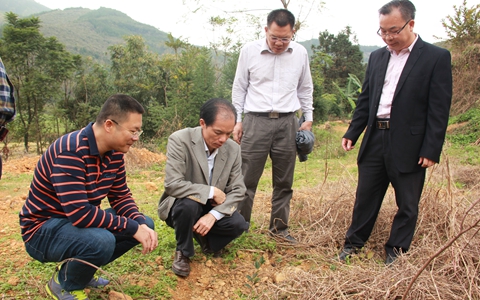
(97,282)
(54,289)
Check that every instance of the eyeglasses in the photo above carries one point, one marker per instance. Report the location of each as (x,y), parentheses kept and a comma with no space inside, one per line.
(384,34)
(135,134)
(275,39)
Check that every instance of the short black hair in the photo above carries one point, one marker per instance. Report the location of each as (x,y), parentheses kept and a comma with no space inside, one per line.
(282,17)
(215,106)
(117,107)
(407,9)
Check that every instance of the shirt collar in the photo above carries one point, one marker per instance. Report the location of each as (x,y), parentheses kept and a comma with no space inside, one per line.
(213,154)
(92,142)
(265,48)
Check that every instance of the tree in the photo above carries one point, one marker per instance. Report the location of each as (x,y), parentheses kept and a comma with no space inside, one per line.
(174,43)
(136,71)
(345,58)
(463,28)
(38,66)
(92,86)
(203,86)
(224,88)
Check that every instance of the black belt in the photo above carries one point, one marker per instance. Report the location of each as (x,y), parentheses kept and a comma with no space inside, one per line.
(271,115)
(382,123)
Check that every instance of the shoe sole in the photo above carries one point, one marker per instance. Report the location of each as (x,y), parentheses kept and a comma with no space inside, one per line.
(180,273)
(50,293)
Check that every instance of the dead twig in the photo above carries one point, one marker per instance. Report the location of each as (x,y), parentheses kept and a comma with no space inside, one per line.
(445,247)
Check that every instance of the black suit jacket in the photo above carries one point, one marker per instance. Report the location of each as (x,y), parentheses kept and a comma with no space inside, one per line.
(420,107)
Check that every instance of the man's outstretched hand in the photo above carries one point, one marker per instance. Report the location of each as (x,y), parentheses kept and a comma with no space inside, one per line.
(147,237)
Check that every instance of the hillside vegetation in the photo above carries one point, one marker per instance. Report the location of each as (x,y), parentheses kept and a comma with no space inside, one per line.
(21,7)
(90,32)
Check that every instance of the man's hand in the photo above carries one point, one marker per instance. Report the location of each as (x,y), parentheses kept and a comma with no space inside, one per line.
(347,144)
(425,162)
(204,224)
(218,197)
(147,237)
(238,132)
(307,125)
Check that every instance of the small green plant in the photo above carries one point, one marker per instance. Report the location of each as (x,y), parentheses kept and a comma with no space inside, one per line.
(254,279)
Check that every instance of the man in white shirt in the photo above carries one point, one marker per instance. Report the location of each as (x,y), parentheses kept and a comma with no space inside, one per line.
(203,185)
(272,82)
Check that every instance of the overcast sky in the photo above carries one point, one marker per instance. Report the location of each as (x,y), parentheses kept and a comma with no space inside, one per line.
(189,18)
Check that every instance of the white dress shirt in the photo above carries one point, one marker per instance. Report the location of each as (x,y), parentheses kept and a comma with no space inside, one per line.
(211,163)
(269,82)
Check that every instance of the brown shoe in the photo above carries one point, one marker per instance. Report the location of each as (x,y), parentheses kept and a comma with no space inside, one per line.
(181,264)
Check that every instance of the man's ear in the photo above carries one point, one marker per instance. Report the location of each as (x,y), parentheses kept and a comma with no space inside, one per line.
(108,125)
(202,122)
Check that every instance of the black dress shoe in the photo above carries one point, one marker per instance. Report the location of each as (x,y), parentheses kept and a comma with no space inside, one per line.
(202,241)
(284,237)
(181,264)
(215,254)
(347,252)
(390,259)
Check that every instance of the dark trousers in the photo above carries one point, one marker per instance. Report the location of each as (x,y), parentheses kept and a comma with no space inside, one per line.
(263,137)
(376,170)
(186,212)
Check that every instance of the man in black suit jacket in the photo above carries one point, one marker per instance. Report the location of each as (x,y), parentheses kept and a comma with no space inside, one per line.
(403,108)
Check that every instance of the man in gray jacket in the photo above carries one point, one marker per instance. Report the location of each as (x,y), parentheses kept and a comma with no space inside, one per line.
(203,185)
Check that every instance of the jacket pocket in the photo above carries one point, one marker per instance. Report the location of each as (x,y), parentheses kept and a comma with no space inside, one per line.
(414,130)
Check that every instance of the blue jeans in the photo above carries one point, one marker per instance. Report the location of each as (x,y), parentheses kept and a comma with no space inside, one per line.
(58,239)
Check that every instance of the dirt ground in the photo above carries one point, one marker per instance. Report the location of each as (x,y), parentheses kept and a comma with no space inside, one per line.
(209,278)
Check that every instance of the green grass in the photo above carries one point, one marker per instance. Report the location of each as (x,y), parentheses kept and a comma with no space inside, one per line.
(469,130)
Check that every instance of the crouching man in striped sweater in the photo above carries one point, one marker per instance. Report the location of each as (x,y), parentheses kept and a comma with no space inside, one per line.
(62,219)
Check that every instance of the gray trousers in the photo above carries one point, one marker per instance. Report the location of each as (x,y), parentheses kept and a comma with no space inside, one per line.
(262,137)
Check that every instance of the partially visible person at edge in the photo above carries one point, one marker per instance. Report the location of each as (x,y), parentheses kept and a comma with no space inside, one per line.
(7,105)
(203,185)
(404,107)
(272,82)
(62,219)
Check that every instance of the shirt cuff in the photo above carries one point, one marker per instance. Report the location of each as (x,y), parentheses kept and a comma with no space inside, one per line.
(210,195)
(216,214)
(308,116)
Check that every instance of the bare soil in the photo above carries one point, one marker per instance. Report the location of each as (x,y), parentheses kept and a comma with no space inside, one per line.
(210,278)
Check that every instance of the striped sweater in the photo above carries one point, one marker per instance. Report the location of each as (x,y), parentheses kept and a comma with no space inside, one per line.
(70,181)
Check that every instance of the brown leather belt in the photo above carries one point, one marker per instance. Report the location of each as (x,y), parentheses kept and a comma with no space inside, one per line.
(382,123)
(271,115)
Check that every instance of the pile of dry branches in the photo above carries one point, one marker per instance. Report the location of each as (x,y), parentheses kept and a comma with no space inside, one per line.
(443,262)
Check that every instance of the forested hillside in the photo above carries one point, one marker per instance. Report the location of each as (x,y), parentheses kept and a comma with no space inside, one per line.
(20,7)
(84,31)
(90,32)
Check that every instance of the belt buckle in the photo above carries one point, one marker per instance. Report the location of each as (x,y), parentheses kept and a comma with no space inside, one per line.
(273,115)
(383,124)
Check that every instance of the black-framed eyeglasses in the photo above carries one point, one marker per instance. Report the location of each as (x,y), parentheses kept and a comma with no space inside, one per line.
(135,134)
(384,34)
